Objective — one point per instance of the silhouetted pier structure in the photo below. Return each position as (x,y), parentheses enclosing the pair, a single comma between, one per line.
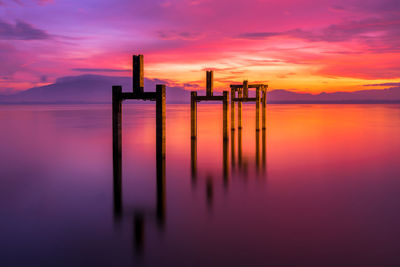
(194,98)
(138,93)
(243,96)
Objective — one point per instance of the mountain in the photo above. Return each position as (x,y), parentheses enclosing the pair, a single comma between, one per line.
(97,89)
(88,89)
(389,95)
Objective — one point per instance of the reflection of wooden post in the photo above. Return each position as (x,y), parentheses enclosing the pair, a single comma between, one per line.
(137,74)
(257,150)
(233,109)
(209,83)
(225,161)
(233,147)
(193,159)
(264,104)
(225,115)
(117,146)
(193,114)
(138,230)
(160,153)
(263,149)
(240,148)
(245,89)
(240,95)
(257,108)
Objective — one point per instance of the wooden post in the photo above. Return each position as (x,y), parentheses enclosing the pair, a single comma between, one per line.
(160,153)
(137,74)
(117,150)
(233,93)
(225,115)
(193,114)
(257,108)
(264,105)
(245,89)
(209,82)
(240,95)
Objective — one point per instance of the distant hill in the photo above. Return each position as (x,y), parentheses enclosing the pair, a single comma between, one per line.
(97,89)
(88,89)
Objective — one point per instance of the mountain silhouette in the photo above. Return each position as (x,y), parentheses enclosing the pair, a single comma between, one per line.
(90,88)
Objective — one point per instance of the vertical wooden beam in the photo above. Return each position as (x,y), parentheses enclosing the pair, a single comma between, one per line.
(209,82)
(117,150)
(258,109)
(245,89)
(240,95)
(225,115)
(160,153)
(137,74)
(233,93)
(264,105)
(193,114)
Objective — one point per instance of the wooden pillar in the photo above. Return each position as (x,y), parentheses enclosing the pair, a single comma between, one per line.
(240,95)
(225,115)
(264,105)
(117,150)
(209,82)
(245,89)
(258,109)
(137,74)
(233,93)
(160,154)
(193,114)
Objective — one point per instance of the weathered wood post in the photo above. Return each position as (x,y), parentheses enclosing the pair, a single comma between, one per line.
(258,108)
(245,88)
(160,153)
(225,115)
(193,114)
(137,74)
(117,150)
(225,160)
(209,82)
(233,148)
(264,105)
(193,159)
(240,95)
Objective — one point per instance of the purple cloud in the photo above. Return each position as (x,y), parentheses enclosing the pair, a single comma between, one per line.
(21,31)
(99,70)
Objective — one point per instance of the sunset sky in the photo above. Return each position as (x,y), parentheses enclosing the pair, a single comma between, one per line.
(300,45)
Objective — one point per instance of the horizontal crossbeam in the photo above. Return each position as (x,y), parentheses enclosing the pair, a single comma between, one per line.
(247,99)
(254,85)
(140,96)
(209,98)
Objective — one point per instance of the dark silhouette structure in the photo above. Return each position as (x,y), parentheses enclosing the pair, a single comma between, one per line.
(193,116)
(138,93)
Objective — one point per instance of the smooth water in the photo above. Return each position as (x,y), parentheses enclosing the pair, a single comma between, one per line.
(321,187)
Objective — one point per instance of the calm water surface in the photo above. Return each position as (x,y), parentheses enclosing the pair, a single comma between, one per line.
(321,188)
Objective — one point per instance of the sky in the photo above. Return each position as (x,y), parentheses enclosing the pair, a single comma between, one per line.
(298,45)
